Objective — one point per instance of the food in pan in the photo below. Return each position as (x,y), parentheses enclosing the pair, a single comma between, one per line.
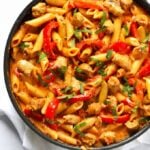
(80,70)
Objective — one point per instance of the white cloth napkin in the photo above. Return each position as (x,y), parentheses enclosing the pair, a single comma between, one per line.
(9,11)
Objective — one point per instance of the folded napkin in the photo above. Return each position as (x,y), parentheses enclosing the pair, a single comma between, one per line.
(30,140)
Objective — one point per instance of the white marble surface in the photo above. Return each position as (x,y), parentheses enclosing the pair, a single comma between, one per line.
(14,135)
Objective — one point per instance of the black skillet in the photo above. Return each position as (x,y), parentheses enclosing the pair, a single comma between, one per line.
(25,15)
(144,3)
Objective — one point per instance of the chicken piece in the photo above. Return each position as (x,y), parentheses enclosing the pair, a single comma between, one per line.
(109,26)
(60,66)
(39,9)
(141,19)
(122,61)
(113,84)
(94,109)
(89,139)
(140,52)
(86,68)
(72,119)
(132,125)
(108,137)
(36,104)
(25,66)
(111,102)
(60,61)
(114,7)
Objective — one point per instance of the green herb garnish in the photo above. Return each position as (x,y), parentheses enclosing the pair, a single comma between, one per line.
(81,88)
(114,111)
(103,19)
(23,45)
(147,38)
(126,29)
(143,48)
(109,54)
(102,72)
(144,120)
(62,71)
(107,102)
(42,56)
(66,97)
(78,70)
(67,89)
(128,89)
(41,81)
(77,128)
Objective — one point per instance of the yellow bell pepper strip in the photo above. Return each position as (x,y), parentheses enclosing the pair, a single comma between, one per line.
(49,47)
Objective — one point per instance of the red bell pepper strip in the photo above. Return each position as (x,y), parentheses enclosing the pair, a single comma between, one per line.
(48,45)
(48,76)
(35,115)
(85,43)
(50,113)
(128,102)
(121,47)
(92,4)
(112,119)
(145,70)
(79,97)
(51,109)
(133,29)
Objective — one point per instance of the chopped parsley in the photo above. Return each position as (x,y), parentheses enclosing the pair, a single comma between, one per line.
(78,32)
(109,54)
(126,29)
(144,120)
(143,48)
(147,38)
(78,127)
(62,71)
(66,97)
(23,45)
(102,67)
(101,24)
(41,81)
(78,70)
(42,56)
(81,88)
(107,102)
(114,111)
(128,89)
(67,89)
(103,19)
(102,72)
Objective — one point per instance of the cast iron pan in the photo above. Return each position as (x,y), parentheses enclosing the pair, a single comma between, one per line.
(25,15)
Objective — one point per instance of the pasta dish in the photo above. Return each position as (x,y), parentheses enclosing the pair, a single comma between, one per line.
(80,70)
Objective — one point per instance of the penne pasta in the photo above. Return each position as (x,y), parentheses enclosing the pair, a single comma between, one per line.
(35,91)
(79,70)
(37,22)
(19,36)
